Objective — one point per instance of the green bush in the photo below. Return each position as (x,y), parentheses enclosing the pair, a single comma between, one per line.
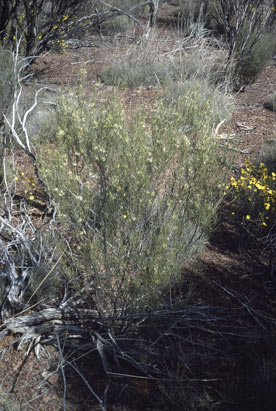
(7,84)
(132,73)
(250,58)
(140,196)
(7,80)
(270,103)
(218,105)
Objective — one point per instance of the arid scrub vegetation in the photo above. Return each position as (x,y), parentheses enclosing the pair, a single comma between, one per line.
(109,204)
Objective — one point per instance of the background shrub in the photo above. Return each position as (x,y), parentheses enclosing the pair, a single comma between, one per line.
(7,81)
(270,103)
(139,196)
(252,56)
(135,74)
(7,84)
(146,65)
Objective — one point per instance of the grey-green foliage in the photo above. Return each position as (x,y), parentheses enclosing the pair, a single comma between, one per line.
(7,80)
(44,284)
(211,97)
(250,55)
(270,103)
(268,157)
(7,84)
(140,195)
(132,73)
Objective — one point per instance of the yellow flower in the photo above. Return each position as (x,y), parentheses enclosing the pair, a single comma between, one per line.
(248,217)
(267,206)
(124,216)
(31,197)
(259,186)
(264,224)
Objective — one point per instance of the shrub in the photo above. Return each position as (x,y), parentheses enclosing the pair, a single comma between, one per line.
(245,26)
(132,74)
(7,80)
(140,66)
(7,84)
(254,200)
(270,103)
(145,65)
(268,157)
(218,105)
(251,56)
(139,196)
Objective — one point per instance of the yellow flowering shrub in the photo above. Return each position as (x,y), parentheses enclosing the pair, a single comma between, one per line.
(254,198)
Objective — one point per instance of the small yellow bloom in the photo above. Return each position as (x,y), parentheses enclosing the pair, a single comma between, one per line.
(124,216)
(264,224)
(248,217)
(31,197)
